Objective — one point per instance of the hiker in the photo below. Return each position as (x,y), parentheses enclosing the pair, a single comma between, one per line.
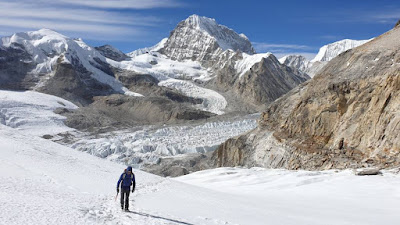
(128,180)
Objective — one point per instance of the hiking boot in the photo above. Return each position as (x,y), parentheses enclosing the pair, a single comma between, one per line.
(126,210)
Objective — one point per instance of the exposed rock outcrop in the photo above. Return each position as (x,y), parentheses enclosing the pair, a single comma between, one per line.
(17,61)
(121,111)
(347,116)
(264,82)
(75,85)
(110,52)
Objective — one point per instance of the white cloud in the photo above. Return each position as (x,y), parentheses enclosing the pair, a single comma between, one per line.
(307,55)
(96,20)
(266,46)
(126,4)
(280,50)
(17,10)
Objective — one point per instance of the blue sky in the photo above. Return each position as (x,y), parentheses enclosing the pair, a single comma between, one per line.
(281,27)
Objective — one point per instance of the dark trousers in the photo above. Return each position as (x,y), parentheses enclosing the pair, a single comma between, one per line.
(125,197)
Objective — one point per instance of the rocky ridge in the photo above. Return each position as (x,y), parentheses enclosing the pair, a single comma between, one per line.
(346,117)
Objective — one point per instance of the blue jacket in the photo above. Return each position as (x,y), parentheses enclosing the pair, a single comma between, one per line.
(127,181)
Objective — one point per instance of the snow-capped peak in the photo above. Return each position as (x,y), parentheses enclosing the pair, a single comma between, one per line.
(330,51)
(47,46)
(153,48)
(38,43)
(200,22)
(244,65)
(225,37)
(298,62)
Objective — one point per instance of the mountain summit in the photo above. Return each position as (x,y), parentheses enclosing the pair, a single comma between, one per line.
(203,39)
(330,51)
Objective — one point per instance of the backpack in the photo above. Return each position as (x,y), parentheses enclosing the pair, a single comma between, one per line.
(124,175)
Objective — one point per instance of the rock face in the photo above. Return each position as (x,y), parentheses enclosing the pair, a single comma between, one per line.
(112,53)
(124,111)
(203,39)
(15,60)
(261,83)
(347,116)
(75,85)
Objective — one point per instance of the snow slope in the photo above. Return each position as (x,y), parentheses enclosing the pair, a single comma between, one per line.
(162,68)
(305,197)
(46,183)
(298,62)
(330,51)
(151,49)
(46,46)
(43,182)
(212,100)
(32,112)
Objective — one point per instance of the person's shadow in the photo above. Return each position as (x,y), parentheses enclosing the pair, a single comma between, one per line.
(159,217)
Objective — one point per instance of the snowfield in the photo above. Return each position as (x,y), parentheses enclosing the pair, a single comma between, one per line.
(32,112)
(43,182)
(46,183)
(305,197)
(212,100)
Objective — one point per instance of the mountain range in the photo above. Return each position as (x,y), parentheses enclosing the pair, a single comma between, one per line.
(206,71)
(188,76)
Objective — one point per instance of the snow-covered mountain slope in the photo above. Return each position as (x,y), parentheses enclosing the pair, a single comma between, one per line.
(178,75)
(203,39)
(298,62)
(46,183)
(212,100)
(163,68)
(48,48)
(151,49)
(330,51)
(325,54)
(32,112)
(244,65)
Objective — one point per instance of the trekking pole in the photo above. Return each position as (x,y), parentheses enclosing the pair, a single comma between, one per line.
(116,197)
